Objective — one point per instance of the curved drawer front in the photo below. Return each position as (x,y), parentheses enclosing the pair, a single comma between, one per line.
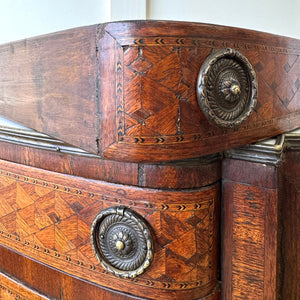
(157,65)
(48,217)
(11,290)
(128,90)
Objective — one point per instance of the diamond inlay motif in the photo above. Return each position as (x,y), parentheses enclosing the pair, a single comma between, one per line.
(297,83)
(160,101)
(287,67)
(140,65)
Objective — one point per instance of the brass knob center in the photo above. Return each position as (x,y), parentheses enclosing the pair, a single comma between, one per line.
(120,245)
(235,89)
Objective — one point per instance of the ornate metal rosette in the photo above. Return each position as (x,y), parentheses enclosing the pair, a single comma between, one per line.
(227,88)
(122,242)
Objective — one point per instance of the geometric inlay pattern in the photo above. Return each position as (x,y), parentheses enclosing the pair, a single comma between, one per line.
(48,217)
(158,104)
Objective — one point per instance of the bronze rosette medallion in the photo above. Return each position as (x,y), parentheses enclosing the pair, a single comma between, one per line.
(122,242)
(227,88)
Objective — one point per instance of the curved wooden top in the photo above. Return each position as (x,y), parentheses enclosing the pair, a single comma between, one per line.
(127,90)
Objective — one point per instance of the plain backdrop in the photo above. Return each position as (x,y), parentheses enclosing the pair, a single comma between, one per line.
(26,18)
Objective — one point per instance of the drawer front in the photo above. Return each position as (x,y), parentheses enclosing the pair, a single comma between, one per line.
(48,217)
(10,289)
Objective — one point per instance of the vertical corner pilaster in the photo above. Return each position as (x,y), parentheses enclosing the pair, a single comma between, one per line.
(250,228)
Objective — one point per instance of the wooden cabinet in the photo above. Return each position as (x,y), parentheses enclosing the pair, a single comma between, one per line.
(139,177)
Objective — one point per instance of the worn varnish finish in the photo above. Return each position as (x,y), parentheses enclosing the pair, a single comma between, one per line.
(127,91)
(54,284)
(249,226)
(201,172)
(47,216)
(260,227)
(49,83)
(58,285)
(289,263)
(11,290)
(77,165)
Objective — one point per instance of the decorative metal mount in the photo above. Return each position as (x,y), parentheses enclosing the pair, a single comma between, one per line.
(268,151)
(227,88)
(122,242)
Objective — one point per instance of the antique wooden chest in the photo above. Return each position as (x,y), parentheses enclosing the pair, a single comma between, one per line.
(153,160)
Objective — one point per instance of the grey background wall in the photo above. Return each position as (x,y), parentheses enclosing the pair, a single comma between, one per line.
(275,16)
(25,18)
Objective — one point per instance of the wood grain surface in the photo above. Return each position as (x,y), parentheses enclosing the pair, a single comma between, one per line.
(289,263)
(191,173)
(260,226)
(127,91)
(11,289)
(48,84)
(54,284)
(57,285)
(47,216)
(249,230)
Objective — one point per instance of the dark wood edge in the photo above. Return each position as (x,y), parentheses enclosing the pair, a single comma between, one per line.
(206,30)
